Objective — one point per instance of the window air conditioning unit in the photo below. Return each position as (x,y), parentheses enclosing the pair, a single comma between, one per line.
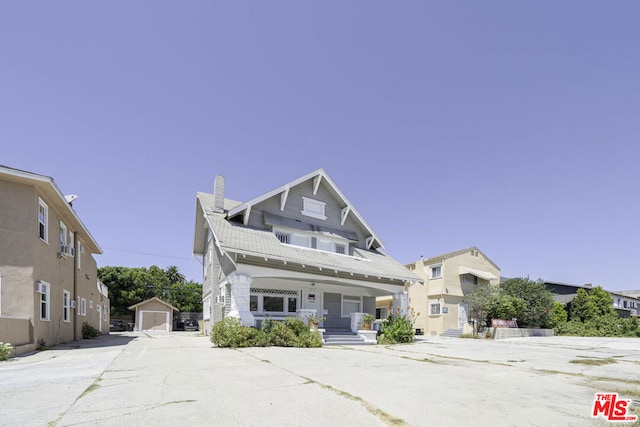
(73,303)
(220,299)
(40,287)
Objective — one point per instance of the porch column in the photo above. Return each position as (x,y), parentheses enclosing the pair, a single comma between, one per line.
(240,291)
(400,301)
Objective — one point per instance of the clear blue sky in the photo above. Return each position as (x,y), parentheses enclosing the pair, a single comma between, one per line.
(512,126)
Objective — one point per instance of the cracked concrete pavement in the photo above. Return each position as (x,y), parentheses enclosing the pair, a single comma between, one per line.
(181,379)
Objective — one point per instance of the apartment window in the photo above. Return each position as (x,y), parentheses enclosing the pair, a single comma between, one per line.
(435,309)
(78,307)
(80,252)
(83,306)
(66,306)
(71,243)
(104,311)
(435,271)
(350,304)
(45,289)
(63,238)
(43,220)
(99,309)
(90,304)
(313,208)
(468,279)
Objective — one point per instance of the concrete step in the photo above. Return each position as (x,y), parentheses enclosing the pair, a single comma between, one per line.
(455,333)
(343,339)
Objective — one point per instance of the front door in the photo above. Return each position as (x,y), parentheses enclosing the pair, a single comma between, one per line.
(462,315)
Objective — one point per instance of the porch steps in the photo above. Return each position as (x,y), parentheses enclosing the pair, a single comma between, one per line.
(342,337)
(454,333)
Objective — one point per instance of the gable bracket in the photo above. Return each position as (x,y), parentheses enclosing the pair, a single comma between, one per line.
(316,183)
(247,212)
(283,198)
(369,242)
(344,213)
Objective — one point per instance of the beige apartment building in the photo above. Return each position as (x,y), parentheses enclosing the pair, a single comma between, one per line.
(440,304)
(48,276)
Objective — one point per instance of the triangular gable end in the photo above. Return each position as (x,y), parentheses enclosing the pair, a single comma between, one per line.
(318,176)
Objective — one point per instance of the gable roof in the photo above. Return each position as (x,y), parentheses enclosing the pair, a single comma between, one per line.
(48,188)
(318,176)
(156,299)
(438,258)
(235,237)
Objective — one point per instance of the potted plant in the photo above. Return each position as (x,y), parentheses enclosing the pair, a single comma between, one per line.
(367,320)
(313,321)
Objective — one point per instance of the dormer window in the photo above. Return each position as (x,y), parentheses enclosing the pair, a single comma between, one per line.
(313,208)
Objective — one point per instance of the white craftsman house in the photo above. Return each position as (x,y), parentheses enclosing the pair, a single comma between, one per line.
(297,250)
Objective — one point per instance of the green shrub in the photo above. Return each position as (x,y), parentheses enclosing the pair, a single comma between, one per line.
(292,332)
(89,331)
(396,329)
(5,351)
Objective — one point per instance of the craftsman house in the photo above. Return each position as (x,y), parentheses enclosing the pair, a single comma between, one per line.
(297,250)
(48,276)
(441,303)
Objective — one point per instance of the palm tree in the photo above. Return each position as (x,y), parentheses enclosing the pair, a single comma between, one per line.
(174,275)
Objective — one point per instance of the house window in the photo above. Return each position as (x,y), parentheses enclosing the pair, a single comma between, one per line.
(340,248)
(274,301)
(468,279)
(43,220)
(63,238)
(313,208)
(283,237)
(381,313)
(83,307)
(435,271)
(350,304)
(272,304)
(104,311)
(45,288)
(66,306)
(435,309)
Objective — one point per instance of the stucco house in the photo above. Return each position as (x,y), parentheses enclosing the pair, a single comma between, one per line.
(48,277)
(440,304)
(297,250)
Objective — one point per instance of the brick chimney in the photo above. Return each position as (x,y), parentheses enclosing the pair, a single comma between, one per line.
(218,194)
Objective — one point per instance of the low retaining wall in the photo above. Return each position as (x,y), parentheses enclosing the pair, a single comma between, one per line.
(501,333)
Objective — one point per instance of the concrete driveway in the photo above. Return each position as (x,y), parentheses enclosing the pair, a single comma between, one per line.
(180,379)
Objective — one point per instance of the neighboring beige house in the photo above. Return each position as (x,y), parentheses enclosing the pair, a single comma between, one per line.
(48,276)
(297,250)
(153,315)
(441,303)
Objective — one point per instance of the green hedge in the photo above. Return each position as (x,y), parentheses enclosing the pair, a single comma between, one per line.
(292,332)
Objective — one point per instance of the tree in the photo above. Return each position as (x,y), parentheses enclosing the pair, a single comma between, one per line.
(558,314)
(129,286)
(538,301)
(602,302)
(582,307)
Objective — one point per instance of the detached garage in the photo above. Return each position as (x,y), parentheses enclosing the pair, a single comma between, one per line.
(153,315)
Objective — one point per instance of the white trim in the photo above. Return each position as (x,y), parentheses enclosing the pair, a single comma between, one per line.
(44,222)
(45,298)
(66,306)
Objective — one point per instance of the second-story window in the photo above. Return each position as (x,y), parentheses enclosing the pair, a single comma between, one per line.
(63,238)
(435,271)
(43,220)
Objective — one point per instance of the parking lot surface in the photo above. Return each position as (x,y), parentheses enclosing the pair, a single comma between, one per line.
(181,379)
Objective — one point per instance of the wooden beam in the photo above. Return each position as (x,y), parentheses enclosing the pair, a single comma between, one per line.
(316,183)
(343,214)
(247,212)
(283,198)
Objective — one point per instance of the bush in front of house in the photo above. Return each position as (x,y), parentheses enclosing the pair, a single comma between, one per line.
(292,332)
(89,331)
(396,329)
(5,351)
